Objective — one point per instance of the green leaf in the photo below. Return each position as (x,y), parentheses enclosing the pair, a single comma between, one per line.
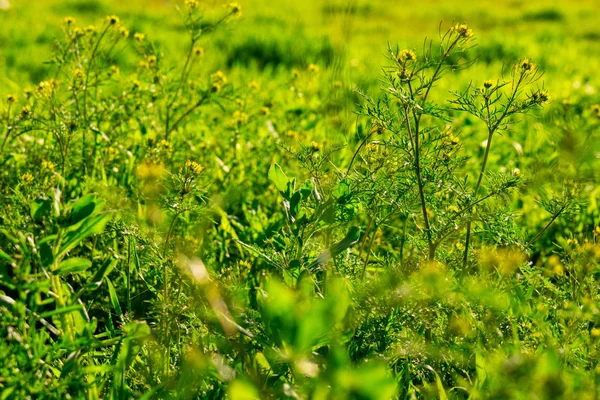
(39,207)
(438,383)
(83,208)
(90,226)
(74,264)
(4,256)
(114,299)
(279,178)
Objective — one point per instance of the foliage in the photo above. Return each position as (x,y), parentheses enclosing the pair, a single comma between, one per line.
(170,227)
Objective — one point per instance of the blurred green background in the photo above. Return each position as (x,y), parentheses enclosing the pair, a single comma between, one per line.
(348,36)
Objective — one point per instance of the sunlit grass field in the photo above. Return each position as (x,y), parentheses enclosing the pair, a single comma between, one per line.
(299,199)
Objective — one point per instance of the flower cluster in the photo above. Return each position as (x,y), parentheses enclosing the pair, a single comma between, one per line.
(462,30)
(193,168)
(218,79)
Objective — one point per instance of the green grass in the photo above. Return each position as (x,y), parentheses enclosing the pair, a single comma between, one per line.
(306,200)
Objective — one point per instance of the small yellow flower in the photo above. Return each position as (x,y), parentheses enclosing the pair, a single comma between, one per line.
(78,32)
(235,9)
(541,96)
(112,19)
(240,103)
(595,332)
(239,118)
(295,73)
(69,20)
(253,85)
(526,65)
(198,51)
(48,165)
(151,60)
(139,36)
(596,109)
(90,29)
(266,111)
(26,178)
(47,87)
(405,56)
(191,4)
(219,77)
(78,73)
(315,146)
(463,30)
(194,167)
(124,32)
(25,112)
(313,68)
(488,84)
(164,145)
(11,99)
(115,70)
(338,84)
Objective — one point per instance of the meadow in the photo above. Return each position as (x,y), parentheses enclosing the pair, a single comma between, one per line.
(343,199)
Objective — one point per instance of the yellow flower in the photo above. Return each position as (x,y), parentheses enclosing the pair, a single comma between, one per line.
(405,56)
(69,20)
(48,165)
(595,332)
(198,51)
(47,87)
(90,29)
(194,167)
(164,145)
(295,73)
(596,109)
(151,60)
(265,111)
(11,99)
(239,118)
(78,32)
(26,178)
(526,65)
(236,9)
(541,96)
(139,36)
(219,77)
(253,85)
(124,32)
(112,19)
(25,112)
(463,30)
(191,4)
(313,68)
(78,73)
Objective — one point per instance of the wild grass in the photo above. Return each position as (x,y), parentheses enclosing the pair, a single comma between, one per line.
(223,215)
